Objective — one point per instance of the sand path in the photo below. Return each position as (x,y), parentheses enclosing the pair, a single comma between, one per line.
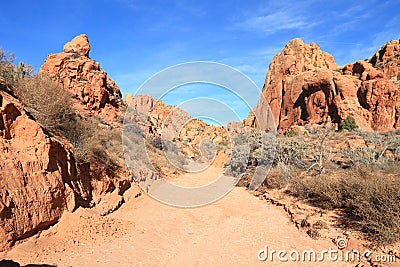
(144,232)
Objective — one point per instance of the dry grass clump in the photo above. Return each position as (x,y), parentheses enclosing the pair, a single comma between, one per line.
(370,199)
(47,102)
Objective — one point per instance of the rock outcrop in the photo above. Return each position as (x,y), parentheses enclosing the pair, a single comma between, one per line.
(305,86)
(90,85)
(39,177)
(173,124)
(387,59)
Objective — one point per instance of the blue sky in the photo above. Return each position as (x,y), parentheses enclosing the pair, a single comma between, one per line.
(135,39)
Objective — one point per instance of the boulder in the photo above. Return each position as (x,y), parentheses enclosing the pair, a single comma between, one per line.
(80,45)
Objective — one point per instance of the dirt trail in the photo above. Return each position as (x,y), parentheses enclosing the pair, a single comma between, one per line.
(144,232)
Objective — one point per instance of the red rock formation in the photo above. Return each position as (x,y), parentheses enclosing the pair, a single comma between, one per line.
(83,77)
(38,175)
(387,59)
(305,86)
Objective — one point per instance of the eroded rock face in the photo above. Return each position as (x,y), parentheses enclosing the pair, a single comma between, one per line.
(38,175)
(305,86)
(387,59)
(90,85)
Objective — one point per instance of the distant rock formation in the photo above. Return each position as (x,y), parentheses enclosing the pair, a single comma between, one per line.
(94,91)
(173,124)
(304,85)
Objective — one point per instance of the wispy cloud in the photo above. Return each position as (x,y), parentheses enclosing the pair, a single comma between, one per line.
(278,21)
(277,16)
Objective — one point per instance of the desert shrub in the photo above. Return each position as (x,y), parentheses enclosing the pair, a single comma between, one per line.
(275,179)
(375,154)
(279,176)
(167,161)
(349,124)
(7,67)
(371,200)
(398,77)
(173,154)
(291,133)
(254,148)
(290,152)
(362,155)
(207,149)
(266,150)
(156,153)
(155,141)
(261,147)
(238,160)
(46,101)
(134,144)
(222,145)
(10,72)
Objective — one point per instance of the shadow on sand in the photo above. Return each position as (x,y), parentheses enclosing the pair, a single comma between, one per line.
(11,263)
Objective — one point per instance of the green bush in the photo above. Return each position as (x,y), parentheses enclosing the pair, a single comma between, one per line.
(349,124)
(291,133)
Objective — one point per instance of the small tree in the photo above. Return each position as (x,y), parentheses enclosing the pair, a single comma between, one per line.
(349,124)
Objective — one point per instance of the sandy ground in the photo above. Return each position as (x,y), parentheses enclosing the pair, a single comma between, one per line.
(145,232)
